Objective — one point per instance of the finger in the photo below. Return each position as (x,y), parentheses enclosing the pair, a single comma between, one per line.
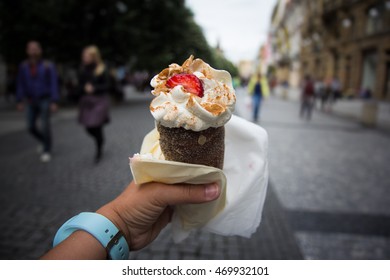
(185,193)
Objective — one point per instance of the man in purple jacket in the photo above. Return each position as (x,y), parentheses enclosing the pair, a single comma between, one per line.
(37,87)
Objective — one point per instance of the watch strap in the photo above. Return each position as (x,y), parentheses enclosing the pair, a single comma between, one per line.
(99,227)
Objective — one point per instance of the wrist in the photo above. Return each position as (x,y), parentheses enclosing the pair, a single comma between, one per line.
(110,212)
(105,230)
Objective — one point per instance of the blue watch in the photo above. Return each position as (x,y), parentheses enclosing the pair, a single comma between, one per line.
(99,227)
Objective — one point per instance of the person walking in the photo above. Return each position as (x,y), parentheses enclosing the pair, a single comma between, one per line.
(335,89)
(319,90)
(258,88)
(37,88)
(94,86)
(307,98)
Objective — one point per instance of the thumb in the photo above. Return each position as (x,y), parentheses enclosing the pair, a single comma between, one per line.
(186,193)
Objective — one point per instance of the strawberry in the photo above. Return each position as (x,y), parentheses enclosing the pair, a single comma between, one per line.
(190,82)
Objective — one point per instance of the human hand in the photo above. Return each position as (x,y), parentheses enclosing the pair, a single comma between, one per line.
(142,211)
(53,107)
(88,88)
(20,107)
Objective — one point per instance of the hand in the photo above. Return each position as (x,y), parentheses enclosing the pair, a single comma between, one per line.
(53,107)
(20,107)
(89,88)
(142,211)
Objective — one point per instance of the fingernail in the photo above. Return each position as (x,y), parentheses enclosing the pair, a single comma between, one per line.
(211,191)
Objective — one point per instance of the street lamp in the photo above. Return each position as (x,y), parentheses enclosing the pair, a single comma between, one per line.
(346,23)
(121,7)
(373,12)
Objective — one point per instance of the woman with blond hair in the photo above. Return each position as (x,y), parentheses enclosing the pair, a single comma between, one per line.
(94,88)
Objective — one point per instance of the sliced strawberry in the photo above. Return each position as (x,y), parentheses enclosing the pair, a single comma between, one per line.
(190,82)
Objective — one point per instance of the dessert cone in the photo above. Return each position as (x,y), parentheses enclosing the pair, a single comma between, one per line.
(192,104)
(204,147)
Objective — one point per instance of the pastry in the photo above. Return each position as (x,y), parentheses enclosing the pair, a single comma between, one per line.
(193,103)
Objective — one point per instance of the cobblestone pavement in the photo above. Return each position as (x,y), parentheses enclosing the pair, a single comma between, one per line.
(325,199)
(331,176)
(37,198)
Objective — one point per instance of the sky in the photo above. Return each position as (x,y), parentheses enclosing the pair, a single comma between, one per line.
(241,26)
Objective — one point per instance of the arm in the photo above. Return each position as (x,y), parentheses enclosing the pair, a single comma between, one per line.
(140,212)
(265,87)
(53,84)
(79,246)
(251,85)
(102,86)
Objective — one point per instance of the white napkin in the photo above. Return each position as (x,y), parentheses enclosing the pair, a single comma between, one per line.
(246,170)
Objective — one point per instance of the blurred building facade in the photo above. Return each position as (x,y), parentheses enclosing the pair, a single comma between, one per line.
(245,69)
(285,40)
(348,39)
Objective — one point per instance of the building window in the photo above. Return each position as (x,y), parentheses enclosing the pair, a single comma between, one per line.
(378,17)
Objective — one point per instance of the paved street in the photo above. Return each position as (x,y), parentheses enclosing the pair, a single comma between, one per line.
(328,194)
(331,176)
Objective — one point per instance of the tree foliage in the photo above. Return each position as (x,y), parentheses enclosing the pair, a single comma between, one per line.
(145,34)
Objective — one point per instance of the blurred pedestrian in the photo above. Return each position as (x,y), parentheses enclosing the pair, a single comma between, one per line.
(335,87)
(319,89)
(37,87)
(366,93)
(326,101)
(285,85)
(307,98)
(273,84)
(258,89)
(94,86)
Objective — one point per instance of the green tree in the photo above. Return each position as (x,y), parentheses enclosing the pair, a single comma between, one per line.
(148,34)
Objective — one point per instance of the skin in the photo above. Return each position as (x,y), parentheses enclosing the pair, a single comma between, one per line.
(87,59)
(140,212)
(34,54)
(33,51)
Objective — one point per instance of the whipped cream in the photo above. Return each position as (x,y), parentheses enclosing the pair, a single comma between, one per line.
(175,107)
